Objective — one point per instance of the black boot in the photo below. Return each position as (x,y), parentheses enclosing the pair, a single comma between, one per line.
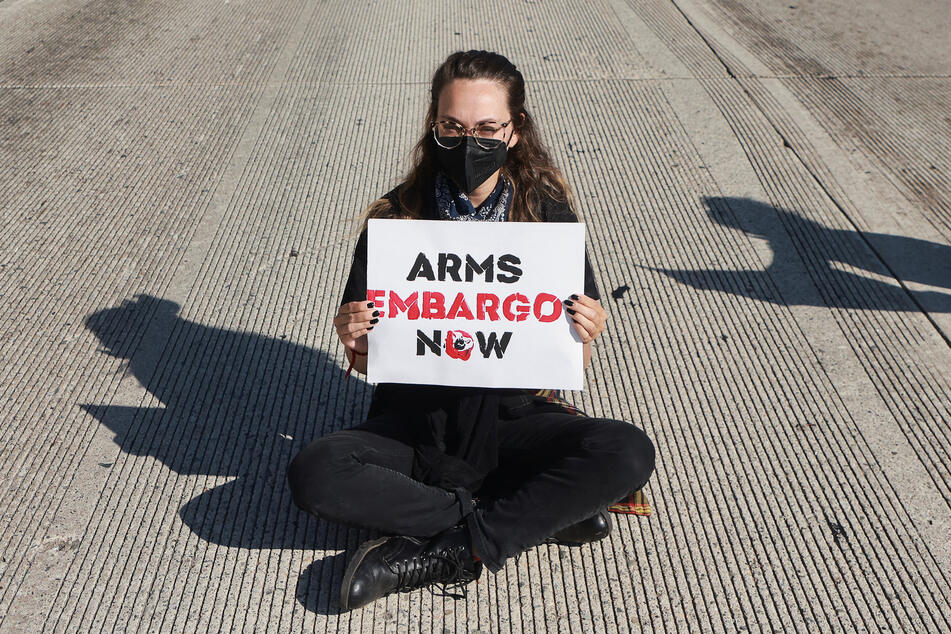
(401,564)
(596,527)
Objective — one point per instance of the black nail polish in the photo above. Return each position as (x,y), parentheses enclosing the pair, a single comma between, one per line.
(568,302)
(376,313)
(373,321)
(370,304)
(569,311)
(574,297)
(370,328)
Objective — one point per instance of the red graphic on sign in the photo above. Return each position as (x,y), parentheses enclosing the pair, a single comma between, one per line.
(458,344)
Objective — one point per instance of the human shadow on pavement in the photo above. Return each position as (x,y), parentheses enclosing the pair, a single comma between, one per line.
(829,250)
(230,405)
(322,597)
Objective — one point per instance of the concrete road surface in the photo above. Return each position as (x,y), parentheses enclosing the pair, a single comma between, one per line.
(767,192)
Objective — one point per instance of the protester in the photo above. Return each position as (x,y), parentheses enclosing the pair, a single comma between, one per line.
(457,478)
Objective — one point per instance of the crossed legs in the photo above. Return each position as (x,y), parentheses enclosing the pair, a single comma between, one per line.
(554,470)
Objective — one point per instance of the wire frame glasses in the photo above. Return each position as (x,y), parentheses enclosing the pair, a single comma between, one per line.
(449,134)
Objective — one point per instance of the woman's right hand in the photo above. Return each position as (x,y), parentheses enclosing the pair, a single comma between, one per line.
(353,321)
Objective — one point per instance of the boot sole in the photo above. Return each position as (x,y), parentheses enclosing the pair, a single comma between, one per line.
(355,561)
(558,542)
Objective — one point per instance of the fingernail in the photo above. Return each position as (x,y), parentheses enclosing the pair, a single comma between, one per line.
(574,297)
(568,302)
(569,311)
(376,313)
(373,321)
(370,304)
(370,328)
(574,320)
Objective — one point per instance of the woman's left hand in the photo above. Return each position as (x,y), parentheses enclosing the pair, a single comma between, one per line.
(588,316)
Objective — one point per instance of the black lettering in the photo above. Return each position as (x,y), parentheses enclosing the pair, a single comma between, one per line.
(449,263)
(423,342)
(472,267)
(492,344)
(421,268)
(507,263)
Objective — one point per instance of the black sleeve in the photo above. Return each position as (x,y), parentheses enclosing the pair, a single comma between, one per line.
(356,288)
(590,286)
(561,212)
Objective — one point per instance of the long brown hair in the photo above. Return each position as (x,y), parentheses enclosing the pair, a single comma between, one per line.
(528,165)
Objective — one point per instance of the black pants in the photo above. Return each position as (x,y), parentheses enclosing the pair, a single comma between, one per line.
(555,469)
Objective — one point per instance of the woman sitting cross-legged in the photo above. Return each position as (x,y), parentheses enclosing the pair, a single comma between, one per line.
(458,478)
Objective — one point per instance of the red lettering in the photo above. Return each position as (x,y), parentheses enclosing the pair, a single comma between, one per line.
(409,306)
(459,344)
(434,305)
(540,301)
(459,308)
(487,304)
(521,310)
(377,298)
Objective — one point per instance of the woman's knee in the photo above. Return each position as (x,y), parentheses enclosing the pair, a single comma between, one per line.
(623,452)
(313,472)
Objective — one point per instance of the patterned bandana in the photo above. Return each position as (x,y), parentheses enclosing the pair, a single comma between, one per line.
(455,205)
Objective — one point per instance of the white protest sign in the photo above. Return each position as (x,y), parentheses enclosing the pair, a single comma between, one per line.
(475,303)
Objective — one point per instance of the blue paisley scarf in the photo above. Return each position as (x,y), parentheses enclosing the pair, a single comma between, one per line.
(455,205)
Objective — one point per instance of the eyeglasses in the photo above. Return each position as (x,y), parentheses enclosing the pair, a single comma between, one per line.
(449,134)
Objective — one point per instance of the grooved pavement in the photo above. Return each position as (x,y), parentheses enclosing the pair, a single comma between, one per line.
(765,189)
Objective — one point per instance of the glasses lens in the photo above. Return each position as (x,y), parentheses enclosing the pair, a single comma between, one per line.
(448,128)
(447,142)
(488,131)
(488,144)
(489,135)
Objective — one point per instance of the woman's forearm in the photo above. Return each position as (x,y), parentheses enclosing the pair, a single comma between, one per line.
(359,360)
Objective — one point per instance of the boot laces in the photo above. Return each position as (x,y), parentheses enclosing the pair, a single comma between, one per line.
(446,569)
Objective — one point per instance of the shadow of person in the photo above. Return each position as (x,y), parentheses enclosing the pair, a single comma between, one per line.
(229,405)
(834,255)
(314,593)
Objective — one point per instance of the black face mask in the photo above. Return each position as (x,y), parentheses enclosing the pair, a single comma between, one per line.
(468,164)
